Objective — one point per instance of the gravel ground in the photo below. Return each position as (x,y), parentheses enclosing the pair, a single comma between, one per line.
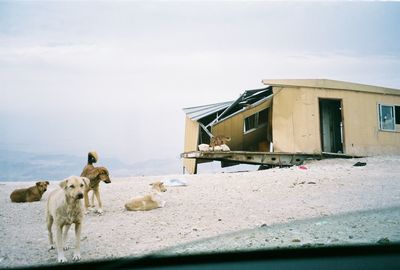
(325,202)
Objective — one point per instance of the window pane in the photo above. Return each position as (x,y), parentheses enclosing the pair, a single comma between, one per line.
(263,117)
(397,113)
(387,117)
(249,122)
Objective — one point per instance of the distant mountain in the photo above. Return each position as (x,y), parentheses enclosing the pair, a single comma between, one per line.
(23,166)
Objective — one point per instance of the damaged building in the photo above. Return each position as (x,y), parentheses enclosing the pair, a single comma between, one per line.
(288,121)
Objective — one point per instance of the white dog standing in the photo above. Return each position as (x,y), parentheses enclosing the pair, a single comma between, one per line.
(64,208)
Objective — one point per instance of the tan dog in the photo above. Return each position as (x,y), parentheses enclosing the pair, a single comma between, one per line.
(64,208)
(148,202)
(219,140)
(95,175)
(31,194)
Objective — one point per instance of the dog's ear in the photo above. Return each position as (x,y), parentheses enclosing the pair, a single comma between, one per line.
(47,183)
(63,184)
(86,181)
(103,170)
(37,184)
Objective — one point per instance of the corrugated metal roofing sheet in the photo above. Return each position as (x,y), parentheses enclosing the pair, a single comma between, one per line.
(198,112)
(247,98)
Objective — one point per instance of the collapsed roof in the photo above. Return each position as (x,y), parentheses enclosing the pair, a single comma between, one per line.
(211,114)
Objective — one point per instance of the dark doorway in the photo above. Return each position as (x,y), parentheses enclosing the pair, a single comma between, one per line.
(330,113)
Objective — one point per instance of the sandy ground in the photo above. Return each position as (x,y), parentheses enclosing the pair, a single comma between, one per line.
(279,202)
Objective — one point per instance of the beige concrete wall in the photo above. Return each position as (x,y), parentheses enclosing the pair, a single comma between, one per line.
(233,127)
(296,124)
(191,141)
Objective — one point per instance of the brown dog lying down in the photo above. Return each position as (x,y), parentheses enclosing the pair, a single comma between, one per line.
(31,194)
(95,175)
(148,202)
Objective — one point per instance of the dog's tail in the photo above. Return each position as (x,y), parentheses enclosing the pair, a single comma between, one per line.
(92,157)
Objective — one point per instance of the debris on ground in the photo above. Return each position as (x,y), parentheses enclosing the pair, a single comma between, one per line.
(360,164)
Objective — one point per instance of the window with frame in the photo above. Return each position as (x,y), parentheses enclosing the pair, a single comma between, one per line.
(255,121)
(250,123)
(389,117)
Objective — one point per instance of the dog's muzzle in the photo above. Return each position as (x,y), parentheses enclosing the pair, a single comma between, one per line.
(107,182)
(79,196)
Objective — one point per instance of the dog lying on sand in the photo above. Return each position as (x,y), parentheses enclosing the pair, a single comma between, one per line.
(148,202)
(31,194)
(95,175)
(64,208)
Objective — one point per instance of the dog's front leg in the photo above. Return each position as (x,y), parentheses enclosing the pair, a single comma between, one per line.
(59,243)
(65,236)
(92,200)
(77,251)
(86,198)
(49,220)
(162,203)
(97,193)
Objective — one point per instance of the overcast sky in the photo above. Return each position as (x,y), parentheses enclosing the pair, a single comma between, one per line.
(114,76)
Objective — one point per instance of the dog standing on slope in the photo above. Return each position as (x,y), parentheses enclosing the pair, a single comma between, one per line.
(95,175)
(64,208)
(148,202)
